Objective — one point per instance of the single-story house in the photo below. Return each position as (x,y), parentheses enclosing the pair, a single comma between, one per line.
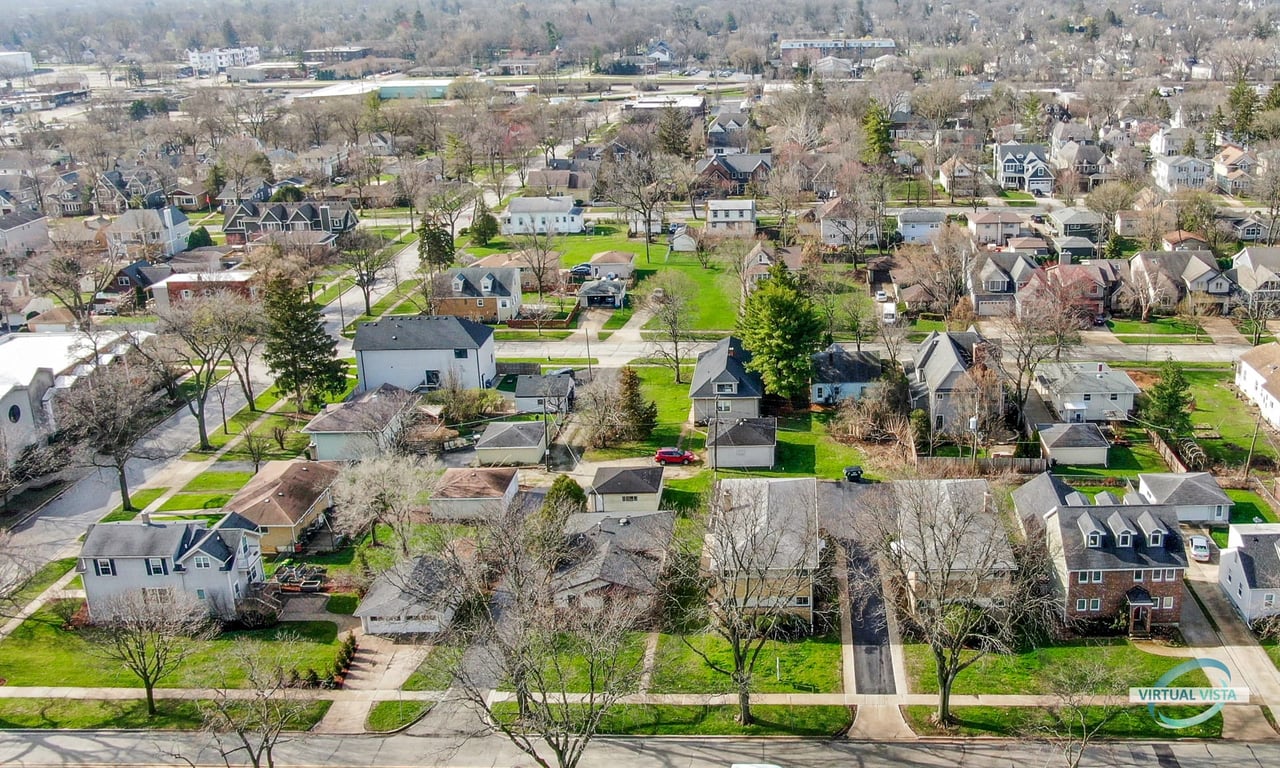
(750,442)
(613,558)
(626,489)
(1249,569)
(410,598)
(512,442)
(1081,444)
(284,500)
(603,293)
(839,374)
(470,493)
(619,265)
(368,424)
(544,394)
(1195,496)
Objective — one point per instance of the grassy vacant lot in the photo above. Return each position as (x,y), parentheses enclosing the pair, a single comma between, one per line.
(40,652)
(1217,409)
(140,499)
(676,720)
(387,716)
(657,384)
(1024,672)
(1130,723)
(811,665)
(714,309)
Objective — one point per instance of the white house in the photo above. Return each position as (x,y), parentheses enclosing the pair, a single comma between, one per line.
(1181,172)
(22,232)
(736,218)
(528,215)
(420,352)
(512,443)
(146,233)
(368,424)
(1086,391)
(994,226)
(839,374)
(750,442)
(841,224)
(684,239)
(920,225)
(1081,444)
(626,489)
(1195,496)
(1249,569)
(469,493)
(1258,378)
(544,394)
(217,566)
(408,599)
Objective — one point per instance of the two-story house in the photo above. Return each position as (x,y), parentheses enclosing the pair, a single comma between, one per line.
(1249,570)
(215,565)
(958,176)
(254,189)
(722,387)
(996,279)
(918,226)
(22,232)
(121,189)
(541,215)
(251,221)
(1173,174)
(995,226)
(149,233)
(942,361)
(734,218)
(1075,222)
(1233,169)
(421,352)
(1172,141)
(843,223)
(1257,272)
(1170,276)
(1023,167)
(761,259)
(1258,379)
(1110,561)
(731,174)
(1086,160)
(728,131)
(1086,391)
(481,294)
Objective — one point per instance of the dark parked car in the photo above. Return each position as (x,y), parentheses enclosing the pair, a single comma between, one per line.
(582,270)
(674,456)
(853,474)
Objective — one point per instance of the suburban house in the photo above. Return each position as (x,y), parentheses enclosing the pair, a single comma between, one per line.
(1171,141)
(942,361)
(1023,167)
(410,598)
(250,221)
(217,565)
(23,232)
(613,558)
(1245,227)
(995,226)
(120,189)
(761,259)
(1085,159)
(420,352)
(1182,240)
(1170,276)
(512,443)
(614,265)
(684,239)
(149,233)
(1258,379)
(1257,271)
(996,279)
(188,197)
(1173,174)
(839,374)
(181,286)
(958,176)
(626,489)
(728,130)
(1078,444)
(18,302)
(1075,222)
(54,320)
(368,424)
(540,215)
(736,218)
(742,442)
(1233,169)
(722,387)
(469,493)
(766,539)
(524,262)
(1195,496)
(731,173)
(65,196)
(920,225)
(284,500)
(1111,561)
(254,189)
(1080,392)
(1034,246)
(603,293)
(544,394)
(1249,569)
(842,224)
(482,294)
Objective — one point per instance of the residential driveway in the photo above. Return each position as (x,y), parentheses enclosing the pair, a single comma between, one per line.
(1222,330)
(872,658)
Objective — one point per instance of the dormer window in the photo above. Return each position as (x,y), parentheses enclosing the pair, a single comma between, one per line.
(457,285)
(725,389)
(1095,540)
(486,285)
(1155,538)
(1124,540)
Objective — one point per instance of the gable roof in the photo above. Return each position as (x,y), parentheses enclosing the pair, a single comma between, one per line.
(475,482)
(743,433)
(1265,360)
(837,365)
(1075,435)
(405,332)
(18,218)
(406,588)
(1073,522)
(781,515)
(1259,554)
(724,363)
(609,480)
(469,281)
(943,357)
(623,551)
(1184,489)
(282,492)
(533,385)
(512,434)
(1074,378)
(560,204)
(370,411)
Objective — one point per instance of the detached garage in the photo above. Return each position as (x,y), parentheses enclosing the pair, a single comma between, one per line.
(742,442)
(513,443)
(1081,444)
(408,599)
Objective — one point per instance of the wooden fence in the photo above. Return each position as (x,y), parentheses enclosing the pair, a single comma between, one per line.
(1167,453)
(960,467)
(519,369)
(559,323)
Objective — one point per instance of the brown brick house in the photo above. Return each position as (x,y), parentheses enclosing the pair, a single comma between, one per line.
(1111,560)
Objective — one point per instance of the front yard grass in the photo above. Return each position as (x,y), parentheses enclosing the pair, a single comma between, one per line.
(435,673)
(217,480)
(682,720)
(810,665)
(1023,673)
(181,502)
(96,714)
(385,716)
(141,500)
(41,652)
(41,580)
(715,307)
(1157,327)
(1130,723)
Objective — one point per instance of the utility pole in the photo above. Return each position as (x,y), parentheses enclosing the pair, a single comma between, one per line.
(715,429)
(1248,461)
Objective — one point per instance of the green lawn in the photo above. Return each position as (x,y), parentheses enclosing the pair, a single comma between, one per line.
(659,385)
(140,499)
(574,674)
(1218,410)
(217,480)
(715,308)
(618,318)
(41,580)
(1130,723)
(811,665)
(95,714)
(435,673)
(1122,461)
(1023,673)
(1250,507)
(342,603)
(548,334)
(1145,340)
(181,502)
(295,442)
(385,716)
(40,652)
(1157,327)
(674,720)
(345,565)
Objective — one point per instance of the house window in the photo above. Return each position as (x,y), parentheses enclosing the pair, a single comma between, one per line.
(1087,397)
(1137,575)
(1155,538)
(1082,605)
(1269,600)
(460,354)
(1157,575)
(630,498)
(104,567)
(724,389)
(1096,577)
(1082,577)
(724,407)
(479,302)
(156,567)
(122,280)
(1114,396)
(1170,574)
(1095,604)
(202,563)
(1168,603)
(1124,540)
(802,601)
(200,594)
(186,294)
(1095,540)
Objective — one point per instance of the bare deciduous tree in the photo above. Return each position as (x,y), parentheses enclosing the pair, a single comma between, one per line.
(73,273)
(638,183)
(598,408)
(367,257)
(540,259)
(1082,709)
(942,269)
(672,303)
(445,202)
(385,490)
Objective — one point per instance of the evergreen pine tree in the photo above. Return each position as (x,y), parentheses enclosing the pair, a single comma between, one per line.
(435,246)
(673,132)
(298,351)
(485,226)
(1168,405)
(875,127)
(199,238)
(781,328)
(639,416)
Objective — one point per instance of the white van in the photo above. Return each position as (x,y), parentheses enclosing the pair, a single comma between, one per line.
(888,313)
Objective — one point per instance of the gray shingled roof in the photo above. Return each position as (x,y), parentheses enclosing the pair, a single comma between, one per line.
(777,515)
(1079,435)
(504,281)
(943,357)
(1081,557)
(743,432)
(1259,559)
(421,332)
(1040,494)
(133,538)
(529,385)
(1080,378)
(724,363)
(1191,489)
(372,411)
(627,480)
(837,365)
(620,551)
(512,434)
(405,589)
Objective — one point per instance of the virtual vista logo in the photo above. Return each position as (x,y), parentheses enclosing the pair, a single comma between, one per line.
(1163,692)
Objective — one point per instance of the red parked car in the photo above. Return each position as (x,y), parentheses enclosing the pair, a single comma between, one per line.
(674,456)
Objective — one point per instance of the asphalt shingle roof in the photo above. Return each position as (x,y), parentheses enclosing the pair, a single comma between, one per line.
(421,332)
(512,434)
(1190,489)
(724,363)
(743,432)
(627,480)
